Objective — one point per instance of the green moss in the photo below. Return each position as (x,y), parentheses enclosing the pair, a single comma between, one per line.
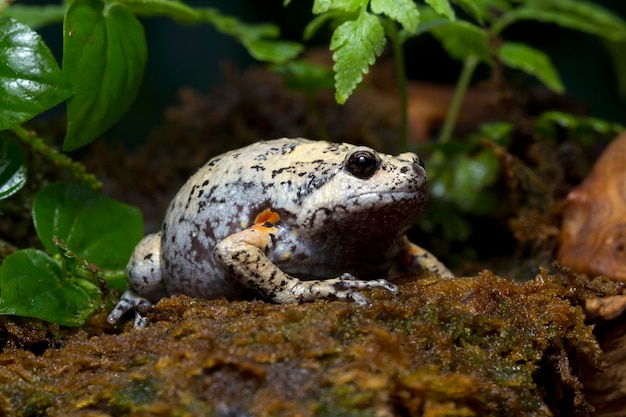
(479,346)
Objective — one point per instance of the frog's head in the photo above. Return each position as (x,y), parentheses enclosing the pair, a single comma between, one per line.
(364,191)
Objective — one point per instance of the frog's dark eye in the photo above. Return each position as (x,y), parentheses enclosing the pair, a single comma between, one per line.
(421,163)
(363,163)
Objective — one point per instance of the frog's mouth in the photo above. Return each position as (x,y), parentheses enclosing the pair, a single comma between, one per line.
(388,197)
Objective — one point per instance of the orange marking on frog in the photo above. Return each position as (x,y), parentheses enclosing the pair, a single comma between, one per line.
(267,216)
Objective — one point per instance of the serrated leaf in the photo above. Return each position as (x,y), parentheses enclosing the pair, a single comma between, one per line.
(322,6)
(533,62)
(97,228)
(31,285)
(442,7)
(356,44)
(104,55)
(12,167)
(461,39)
(30,79)
(402,11)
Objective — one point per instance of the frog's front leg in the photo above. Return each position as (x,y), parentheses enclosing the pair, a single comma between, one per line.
(243,255)
(414,258)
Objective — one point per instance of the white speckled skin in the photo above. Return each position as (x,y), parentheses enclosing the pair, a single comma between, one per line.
(340,209)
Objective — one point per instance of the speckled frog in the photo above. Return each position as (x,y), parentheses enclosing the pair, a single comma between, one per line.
(286,220)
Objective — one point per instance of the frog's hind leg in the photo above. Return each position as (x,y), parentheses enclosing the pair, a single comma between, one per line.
(128,301)
(144,279)
(414,258)
(243,256)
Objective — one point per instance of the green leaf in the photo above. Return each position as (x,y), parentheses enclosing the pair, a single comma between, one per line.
(275,51)
(256,38)
(305,76)
(322,6)
(461,39)
(533,62)
(442,7)
(317,22)
(12,167)
(31,285)
(356,44)
(572,14)
(402,11)
(474,9)
(30,79)
(36,16)
(97,228)
(104,55)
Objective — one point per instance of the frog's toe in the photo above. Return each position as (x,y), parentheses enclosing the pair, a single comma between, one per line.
(383,283)
(128,301)
(359,298)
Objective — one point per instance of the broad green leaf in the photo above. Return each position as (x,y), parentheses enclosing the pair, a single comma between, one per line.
(402,11)
(97,228)
(356,44)
(322,6)
(12,167)
(31,285)
(461,39)
(531,61)
(442,7)
(36,16)
(104,55)
(30,79)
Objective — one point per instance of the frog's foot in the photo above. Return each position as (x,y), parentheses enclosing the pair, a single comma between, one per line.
(129,301)
(340,288)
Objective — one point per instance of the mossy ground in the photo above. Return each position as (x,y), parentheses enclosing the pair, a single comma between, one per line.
(474,346)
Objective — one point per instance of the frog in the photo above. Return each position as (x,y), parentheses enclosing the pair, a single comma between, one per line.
(286,220)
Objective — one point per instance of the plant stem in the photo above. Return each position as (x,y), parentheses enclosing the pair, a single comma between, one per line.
(398,57)
(469,65)
(76,169)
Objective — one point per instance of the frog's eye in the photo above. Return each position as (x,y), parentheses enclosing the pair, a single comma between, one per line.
(421,163)
(363,163)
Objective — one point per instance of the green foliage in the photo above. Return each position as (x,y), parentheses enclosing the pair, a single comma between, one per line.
(12,167)
(95,227)
(104,55)
(584,130)
(32,285)
(359,37)
(80,228)
(356,44)
(30,79)
(531,61)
